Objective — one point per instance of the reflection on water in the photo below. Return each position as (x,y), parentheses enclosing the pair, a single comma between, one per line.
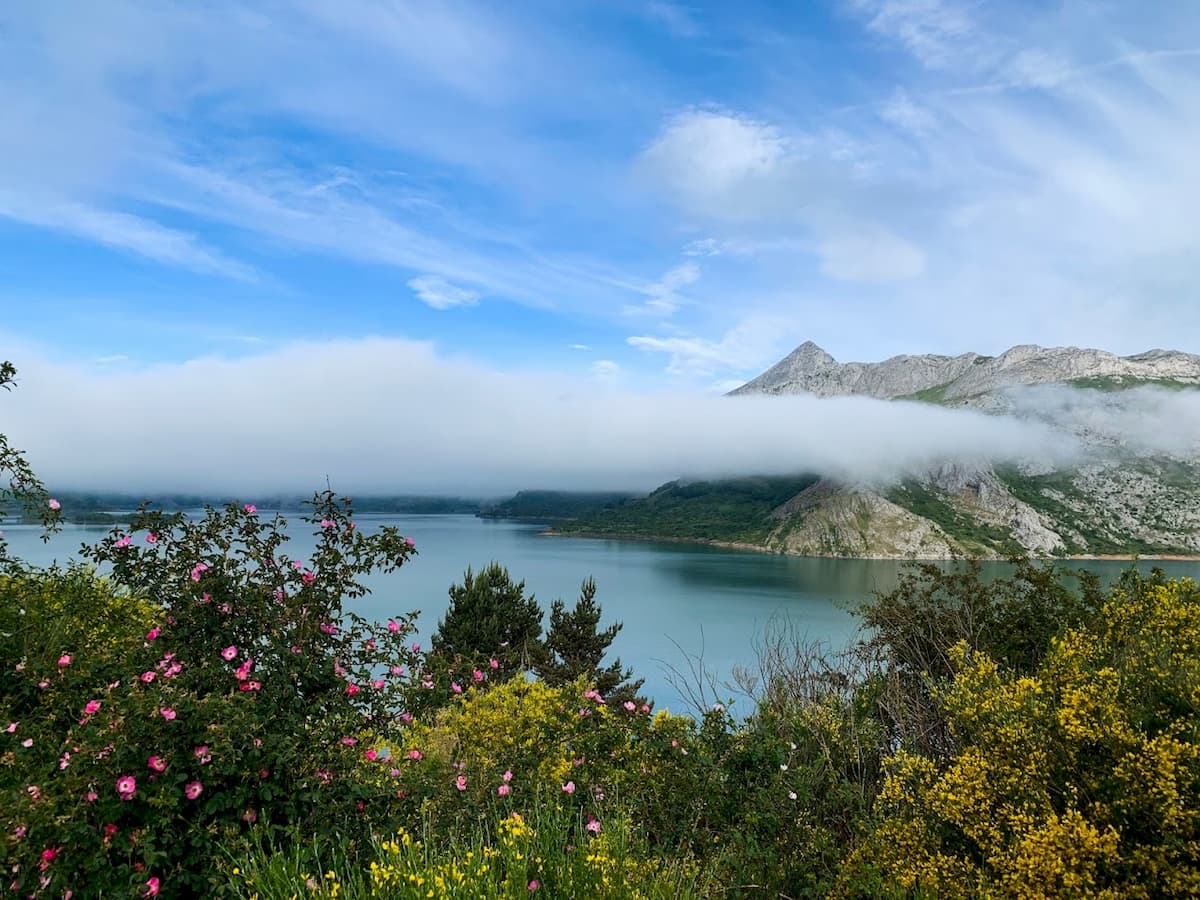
(667,594)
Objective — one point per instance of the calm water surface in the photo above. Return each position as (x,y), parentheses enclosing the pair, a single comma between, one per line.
(675,599)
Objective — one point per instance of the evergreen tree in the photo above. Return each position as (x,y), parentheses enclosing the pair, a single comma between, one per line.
(491,618)
(576,647)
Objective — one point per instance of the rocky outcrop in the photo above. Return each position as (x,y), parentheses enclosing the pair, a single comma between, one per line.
(979,493)
(834,519)
(809,369)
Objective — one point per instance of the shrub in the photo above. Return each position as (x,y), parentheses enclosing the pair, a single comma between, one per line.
(1079,779)
(129,762)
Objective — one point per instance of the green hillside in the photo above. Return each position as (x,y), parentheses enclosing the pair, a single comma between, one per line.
(727,510)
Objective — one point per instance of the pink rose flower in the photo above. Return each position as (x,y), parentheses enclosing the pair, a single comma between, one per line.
(92,707)
(192,789)
(54,504)
(64,660)
(372,755)
(569,787)
(393,626)
(229,653)
(157,763)
(461,782)
(126,787)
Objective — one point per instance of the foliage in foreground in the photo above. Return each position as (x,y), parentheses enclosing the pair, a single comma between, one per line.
(551,854)
(1079,779)
(209,720)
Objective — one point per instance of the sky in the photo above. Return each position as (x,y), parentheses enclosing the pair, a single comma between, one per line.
(605,198)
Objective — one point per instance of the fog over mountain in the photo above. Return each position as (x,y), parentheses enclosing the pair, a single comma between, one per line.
(387,415)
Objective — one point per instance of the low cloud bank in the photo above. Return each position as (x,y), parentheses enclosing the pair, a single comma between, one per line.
(1137,420)
(380,416)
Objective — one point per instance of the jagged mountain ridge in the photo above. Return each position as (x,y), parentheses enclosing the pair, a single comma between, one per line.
(1119,503)
(809,369)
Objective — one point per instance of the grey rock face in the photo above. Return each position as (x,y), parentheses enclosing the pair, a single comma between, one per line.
(809,369)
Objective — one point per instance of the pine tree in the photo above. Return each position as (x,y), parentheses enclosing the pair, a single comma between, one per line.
(491,618)
(576,647)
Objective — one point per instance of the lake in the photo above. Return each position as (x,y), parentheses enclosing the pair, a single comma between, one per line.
(675,600)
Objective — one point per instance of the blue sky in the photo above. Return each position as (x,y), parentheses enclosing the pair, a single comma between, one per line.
(662,194)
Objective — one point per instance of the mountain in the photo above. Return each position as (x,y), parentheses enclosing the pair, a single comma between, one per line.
(1124,498)
(809,369)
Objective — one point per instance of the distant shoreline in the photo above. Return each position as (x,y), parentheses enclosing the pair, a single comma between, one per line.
(756,548)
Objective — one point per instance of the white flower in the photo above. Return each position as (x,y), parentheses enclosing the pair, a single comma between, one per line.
(791,795)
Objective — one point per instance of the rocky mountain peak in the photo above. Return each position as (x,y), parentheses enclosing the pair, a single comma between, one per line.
(809,369)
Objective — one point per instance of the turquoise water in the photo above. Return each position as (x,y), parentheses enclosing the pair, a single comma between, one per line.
(677,601)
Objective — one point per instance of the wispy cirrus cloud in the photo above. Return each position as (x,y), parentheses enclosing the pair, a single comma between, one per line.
(654,181)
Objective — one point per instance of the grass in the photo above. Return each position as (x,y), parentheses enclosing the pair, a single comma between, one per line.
(935,394)
(735,510)
(1112,383)
(935,506)
(550,854)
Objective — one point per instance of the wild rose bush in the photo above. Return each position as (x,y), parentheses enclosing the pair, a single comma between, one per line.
(240,701)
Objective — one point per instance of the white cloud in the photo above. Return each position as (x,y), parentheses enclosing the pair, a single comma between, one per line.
(606,370)
(441,294)
(703,247)
(752,345)
(871,256)
(938,33)
(125,232)
(704,158)
(903,112)
(580,347)
(111,359)
(663,294)
(390,415)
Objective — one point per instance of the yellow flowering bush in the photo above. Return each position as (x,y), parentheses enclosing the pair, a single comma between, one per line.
(1082,779)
